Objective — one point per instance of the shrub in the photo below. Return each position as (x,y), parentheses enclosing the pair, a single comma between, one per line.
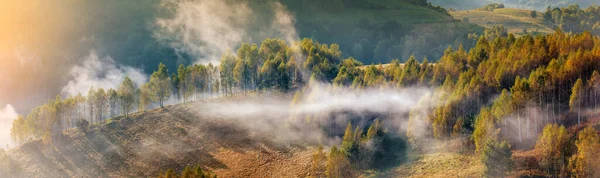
(83,125)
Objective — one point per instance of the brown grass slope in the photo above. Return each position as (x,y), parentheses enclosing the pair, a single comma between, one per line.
(159,139)
(514,20)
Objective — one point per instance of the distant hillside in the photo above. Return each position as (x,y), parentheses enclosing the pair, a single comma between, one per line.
(389,30)
(523,4)
(461,4)
(542,4)
(516,21)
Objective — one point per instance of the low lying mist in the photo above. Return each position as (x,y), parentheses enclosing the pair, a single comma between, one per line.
(320,113)
(100,72)
(7,115)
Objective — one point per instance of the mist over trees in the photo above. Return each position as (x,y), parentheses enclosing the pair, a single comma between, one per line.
(495,91)
(554,73)
(126,31)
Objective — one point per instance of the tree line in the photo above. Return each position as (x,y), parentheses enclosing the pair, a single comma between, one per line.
(272,66)
(575,19)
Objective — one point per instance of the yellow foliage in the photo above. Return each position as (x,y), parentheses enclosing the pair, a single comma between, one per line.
(586,162)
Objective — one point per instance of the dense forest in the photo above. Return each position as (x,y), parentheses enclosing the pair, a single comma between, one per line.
(575,19)
(517,89)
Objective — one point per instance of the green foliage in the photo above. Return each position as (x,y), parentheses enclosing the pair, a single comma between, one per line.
(83,125)
(19,131)
(126,93)
(338,165)
(576,99)
(502,106)
(553,147)
(160,85)
(143,97)
(185,81)
(575,19)
(492,7)
(383,150)
(533,14)
(484,129)
(497,158)
(491,34)
(241,71)
(538,71)
(348,72)
(226,67)
(350,144)
(410,72)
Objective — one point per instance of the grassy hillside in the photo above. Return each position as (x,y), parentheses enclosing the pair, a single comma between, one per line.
(442,164)
(524,4)
(154,141)
(461,4)
(514,20)
(542,4)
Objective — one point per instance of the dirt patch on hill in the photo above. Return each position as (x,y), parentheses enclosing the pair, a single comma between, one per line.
(153,141)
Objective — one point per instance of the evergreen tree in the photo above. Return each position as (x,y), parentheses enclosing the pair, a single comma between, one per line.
(338,165)
(350,144)
(318,161)
(502,108)
(144,97)
(552,145)
(533,14)
(126,95)
(113,99)
(160,85)
(484,129)
(183,77)
(497,158)
(226,73)
(187,172)
(410,72)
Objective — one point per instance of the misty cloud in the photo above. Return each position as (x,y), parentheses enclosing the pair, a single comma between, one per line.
(326,106)
(7,115)
(205,29)
(100,72)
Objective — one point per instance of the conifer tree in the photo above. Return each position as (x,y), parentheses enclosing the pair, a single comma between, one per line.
(497,158)
(160,85)
(126,95)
